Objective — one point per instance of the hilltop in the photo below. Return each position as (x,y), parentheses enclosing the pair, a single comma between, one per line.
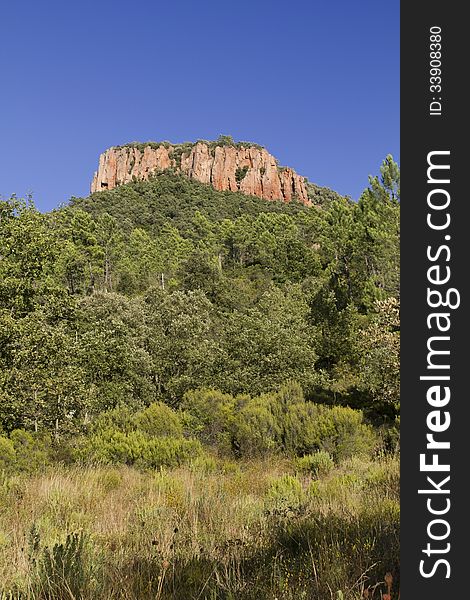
(226,165)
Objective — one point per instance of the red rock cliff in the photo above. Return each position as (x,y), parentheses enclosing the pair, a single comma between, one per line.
(249,169)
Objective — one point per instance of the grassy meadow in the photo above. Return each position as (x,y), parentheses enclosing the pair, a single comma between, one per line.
(213,529)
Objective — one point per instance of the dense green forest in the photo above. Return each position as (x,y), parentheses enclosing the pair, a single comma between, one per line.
(167,325)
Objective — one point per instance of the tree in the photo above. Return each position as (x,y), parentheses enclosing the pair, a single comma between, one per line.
(79,263)
(378,217)
(28,249)
(268,344)
(108,236)
(139,265)
(379,346)
(41,380)
(113,336)
(182,342)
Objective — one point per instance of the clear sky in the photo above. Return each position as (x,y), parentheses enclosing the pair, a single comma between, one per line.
(315,81)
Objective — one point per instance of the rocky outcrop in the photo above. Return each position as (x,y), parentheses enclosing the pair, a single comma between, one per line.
(246,168)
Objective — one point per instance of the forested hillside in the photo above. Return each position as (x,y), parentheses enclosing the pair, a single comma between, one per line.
(164,323)
(152,289)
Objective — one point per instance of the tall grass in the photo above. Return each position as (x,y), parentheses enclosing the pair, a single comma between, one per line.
(212,530)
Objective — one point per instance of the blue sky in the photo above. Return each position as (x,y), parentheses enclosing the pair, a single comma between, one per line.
(316,82)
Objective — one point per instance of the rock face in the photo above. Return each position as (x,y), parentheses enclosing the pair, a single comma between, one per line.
(247,168)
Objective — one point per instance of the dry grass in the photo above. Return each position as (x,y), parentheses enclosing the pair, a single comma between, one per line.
(202,532)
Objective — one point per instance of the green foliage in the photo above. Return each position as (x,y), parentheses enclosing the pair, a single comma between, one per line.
(159,420)
(156,420)
(184,350)
(28,248)
(225,140)
(277,422)
(41,379)
(209,416)
(65,570)
(33,452)
(149,438)
(172,200)
(269,343)
(351,436)
(379,352)
(139,294)
(135,448)
(121,418)
(7,454)
(257,430)
(317,464)
(24,452)
(240,173)
(284,494)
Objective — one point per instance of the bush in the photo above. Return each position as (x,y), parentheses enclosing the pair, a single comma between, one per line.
(32,450)
(290,394)
(23,451)
(159,420)
(120,418)
(171,452)
(111,479)
(204,463)
(281,421)
(7,454)
(351,437)
(135,448)
(65,570)
(318,464)
(209,416)
(284,494)
(306,426)
(257,430)
(156,420)
(240,174)
(338,430)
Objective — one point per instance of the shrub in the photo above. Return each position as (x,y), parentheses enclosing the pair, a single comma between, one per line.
(204,464)
(257,430)
(290,393)
(7,454)
(110,479)
(159,420)
(23,451)
(318,464)
(284,494)
(32,450)
(240,174)
(156,420)
(135,448)
(210,416)
(120,418)
(338,430)
(263,423)
(170,452)
(306,426)
(274,422)
(65,570)
(351,435)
